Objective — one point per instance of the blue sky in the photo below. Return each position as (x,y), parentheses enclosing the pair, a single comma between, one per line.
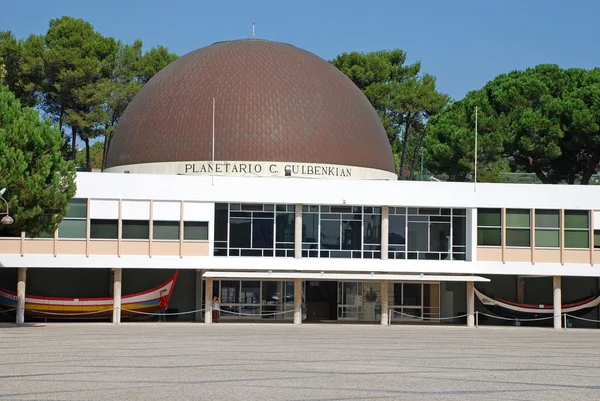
(463,43)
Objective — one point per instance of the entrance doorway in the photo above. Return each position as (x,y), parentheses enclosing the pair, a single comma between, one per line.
(321,300)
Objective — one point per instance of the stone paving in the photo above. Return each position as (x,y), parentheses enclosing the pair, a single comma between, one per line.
(190,361)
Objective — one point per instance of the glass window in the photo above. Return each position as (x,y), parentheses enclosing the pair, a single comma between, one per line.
(596,239)
(77,208)
(439,239)
(397,230)
(72,228)
(330,234)
(262,233)
(577,229)
(195,230)
(230,290)
(372,229)
(547,228)
(518,232)
(459,231)
(285,227)
(103,229)
(165,230)
(74,224)
(221,221)
(135,229)
(352,234)
(310,227)
(489,227)
(489,217)
(418,237)
(240,233)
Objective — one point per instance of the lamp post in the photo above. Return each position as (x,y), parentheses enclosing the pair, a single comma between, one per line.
(6,220)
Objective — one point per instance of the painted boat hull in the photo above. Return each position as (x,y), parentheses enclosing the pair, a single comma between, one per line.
(515,310)
(88,308)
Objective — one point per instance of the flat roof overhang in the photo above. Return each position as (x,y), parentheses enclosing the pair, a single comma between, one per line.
(266,275)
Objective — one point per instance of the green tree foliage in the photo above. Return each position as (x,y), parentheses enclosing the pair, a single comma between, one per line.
(96,156)
(82,80)
(544,120)
(402,96)
(38,181)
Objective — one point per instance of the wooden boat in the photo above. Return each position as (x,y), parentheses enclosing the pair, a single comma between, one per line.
(517,310)
(87,308)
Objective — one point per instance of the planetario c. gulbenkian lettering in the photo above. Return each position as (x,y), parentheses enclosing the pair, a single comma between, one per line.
(256,172)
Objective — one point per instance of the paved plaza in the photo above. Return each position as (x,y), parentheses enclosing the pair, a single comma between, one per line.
(179,361)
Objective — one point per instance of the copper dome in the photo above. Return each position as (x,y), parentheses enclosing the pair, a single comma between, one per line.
(274,102)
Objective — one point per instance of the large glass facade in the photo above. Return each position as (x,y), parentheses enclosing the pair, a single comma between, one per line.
(253,299)
(254,230)
(341,231)
(427,233)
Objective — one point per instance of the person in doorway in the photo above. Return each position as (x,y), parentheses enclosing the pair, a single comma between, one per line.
(163,303)
(216,309)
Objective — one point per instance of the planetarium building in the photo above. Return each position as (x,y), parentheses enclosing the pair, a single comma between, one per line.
(257,172)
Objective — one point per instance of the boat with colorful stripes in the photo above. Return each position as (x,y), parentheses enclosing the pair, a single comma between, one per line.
(134,305)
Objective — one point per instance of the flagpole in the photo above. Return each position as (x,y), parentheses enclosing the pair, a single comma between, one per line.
(475,180)
(213,143)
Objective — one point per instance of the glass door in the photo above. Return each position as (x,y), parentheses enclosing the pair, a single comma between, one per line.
(349,300)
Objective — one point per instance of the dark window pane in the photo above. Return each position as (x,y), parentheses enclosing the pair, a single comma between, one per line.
(310,227)
(372,229)
(577,239)
(596,239)
(135,229)
(195,230)
(240,233)
(417,237)
(72,228)
(330,234)
(518,218)
(221,221)
(577,219)
(262,233)
(77,208)
(285,225)
(459,212)
(165,230)
(439,237)
(459,231)
(518,237)
(252,207)
(397,229)
(352,235)
(429,211)
(547,218)
(341,209)
(489,237)
(547,238)
(488,218)
(103,229)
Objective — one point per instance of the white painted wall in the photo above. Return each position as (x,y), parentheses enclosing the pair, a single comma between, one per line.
(104,209)
(135,210)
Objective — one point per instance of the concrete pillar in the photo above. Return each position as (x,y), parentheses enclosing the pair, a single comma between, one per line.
(297,301)
(384,302)
(208,292)
(118,277)
(385,229)
(198,315)
(556,284)
(21,276)
(470,304)
(298,232)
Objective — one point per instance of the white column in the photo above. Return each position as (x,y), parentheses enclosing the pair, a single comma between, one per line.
(385,229)
(556,284)
(384,302)
(297,301)
(298,232)
(208,291)
(21,275)
(198,315)
(470,304)
(118,277)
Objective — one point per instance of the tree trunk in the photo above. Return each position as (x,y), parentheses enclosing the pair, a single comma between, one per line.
(104,152)
(73,143)
(538,171)
(404,145)
(591,169)
(88,163)
(418,152)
